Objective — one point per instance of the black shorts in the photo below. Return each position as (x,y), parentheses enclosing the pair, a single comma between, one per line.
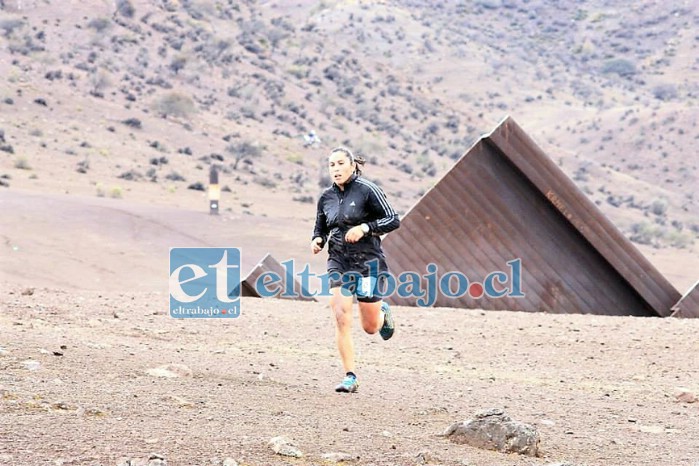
(362,275)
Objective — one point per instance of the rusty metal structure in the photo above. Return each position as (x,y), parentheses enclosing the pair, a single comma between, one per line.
(688,306)
(287,288)
(503,203)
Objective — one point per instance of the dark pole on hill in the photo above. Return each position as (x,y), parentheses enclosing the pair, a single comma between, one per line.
(214,191)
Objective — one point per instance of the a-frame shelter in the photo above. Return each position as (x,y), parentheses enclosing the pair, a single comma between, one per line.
(506,200)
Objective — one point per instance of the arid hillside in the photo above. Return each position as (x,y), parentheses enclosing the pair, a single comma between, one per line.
(112,114)
(136,99)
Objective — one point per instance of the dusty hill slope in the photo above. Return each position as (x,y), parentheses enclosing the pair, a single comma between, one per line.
(119,98)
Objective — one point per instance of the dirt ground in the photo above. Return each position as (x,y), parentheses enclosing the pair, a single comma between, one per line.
(85,341)
(76,387)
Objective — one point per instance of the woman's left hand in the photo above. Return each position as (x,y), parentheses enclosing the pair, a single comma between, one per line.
(354,234)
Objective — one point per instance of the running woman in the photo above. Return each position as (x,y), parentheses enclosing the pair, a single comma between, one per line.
(352,215)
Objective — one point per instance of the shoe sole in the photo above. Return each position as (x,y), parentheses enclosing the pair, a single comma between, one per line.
(342,389)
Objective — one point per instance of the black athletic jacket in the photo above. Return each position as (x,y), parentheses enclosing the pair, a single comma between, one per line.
(361,202)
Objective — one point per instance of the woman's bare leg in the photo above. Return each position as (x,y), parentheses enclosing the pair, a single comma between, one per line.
(342,311)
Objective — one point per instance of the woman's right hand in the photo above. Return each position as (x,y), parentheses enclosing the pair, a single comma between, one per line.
(317,244)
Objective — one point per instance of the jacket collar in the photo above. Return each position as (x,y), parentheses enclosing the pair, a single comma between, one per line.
(349,182)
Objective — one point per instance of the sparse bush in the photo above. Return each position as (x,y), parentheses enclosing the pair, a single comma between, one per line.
(159,161)
(304,199)
(116,192)
(658,207)
(83,166)
(125,8)
(295,158)
(8,26)
(406,168)
(198,186)
(131,175)
(298,72)
(133,123)
(151,174)
(53,75)
(679,240)
(100,81)
(178,63)
(174,176)
(665,92)
(243,151)
(174,104)
(22,163)
(265,181)
(7,148)
(99,24)
(157,146)
(645,233)
(620,66)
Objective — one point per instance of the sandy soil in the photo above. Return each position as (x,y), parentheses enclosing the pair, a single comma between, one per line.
(83,324)
(600,390)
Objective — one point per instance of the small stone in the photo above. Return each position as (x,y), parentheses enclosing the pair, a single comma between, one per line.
(424,457)
(62,405)
(284,447)
(170,371)
(652,429)
(686,396)
(338,457)
(229,462)
(178,400)
(31,365)
(96,412)
(156,460)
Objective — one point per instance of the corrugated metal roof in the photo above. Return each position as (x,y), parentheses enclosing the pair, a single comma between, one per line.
(270,264)
(506,200)
(688,306)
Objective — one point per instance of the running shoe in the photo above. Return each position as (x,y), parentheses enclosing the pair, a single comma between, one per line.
(349,385)
(388,326)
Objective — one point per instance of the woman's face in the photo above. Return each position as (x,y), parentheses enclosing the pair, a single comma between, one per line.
(340,167)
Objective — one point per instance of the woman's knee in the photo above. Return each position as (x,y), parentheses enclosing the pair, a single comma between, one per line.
(343,315)
(370,326)
(371,318)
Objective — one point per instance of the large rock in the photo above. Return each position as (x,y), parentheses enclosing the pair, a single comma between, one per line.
(495,430)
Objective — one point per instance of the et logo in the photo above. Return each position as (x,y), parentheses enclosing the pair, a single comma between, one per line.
(204,282)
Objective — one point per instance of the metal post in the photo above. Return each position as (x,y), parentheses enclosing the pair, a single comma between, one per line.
(214,191)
